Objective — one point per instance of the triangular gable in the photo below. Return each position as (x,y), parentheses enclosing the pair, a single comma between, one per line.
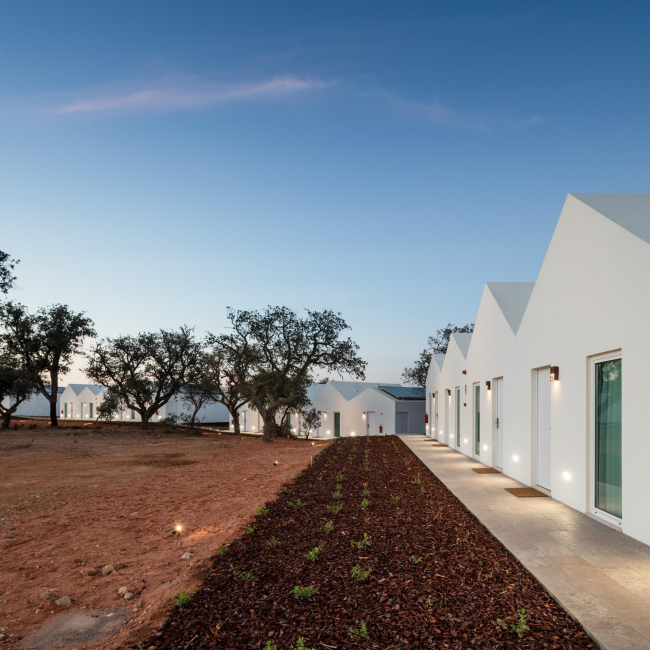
(630,211)
(463,340)
(512,299)
(439,358)
(351,389)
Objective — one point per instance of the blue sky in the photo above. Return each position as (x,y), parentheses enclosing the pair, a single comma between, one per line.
(160,161)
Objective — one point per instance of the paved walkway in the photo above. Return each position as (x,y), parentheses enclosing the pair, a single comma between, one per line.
(598,574)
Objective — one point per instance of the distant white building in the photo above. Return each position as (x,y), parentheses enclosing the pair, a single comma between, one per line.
(80,402)
(353,408)
(35,406)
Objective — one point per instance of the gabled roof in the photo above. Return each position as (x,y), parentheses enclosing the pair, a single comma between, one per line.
(94,388)
(405,392)
(630,211)
(439,358)
(512,298)
(314,389)
(350,389)
(463,340)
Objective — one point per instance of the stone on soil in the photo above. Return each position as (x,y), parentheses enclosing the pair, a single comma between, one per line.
(107,569)
(63,601)
(187,556)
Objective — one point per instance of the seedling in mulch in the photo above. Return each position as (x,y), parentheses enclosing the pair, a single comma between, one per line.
(365,503)
(270,646)
(249,529)
(262,512)
(301,645)
(297,505)
(340,478)
(367,468)
(359,574)
(285,489)
(366,493)
(414,559)
(242,575)
(315,552)
(223,549)
(304,593)
(336,495)
(395,499)
(350,461)
(274,542)
(354,450)
(329,527)
(363,543)
(417,480)
(359,633)
(334,510)
(184,597)
(519,627)
(422,489)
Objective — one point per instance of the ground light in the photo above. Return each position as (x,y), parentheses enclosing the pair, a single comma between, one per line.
(178,529)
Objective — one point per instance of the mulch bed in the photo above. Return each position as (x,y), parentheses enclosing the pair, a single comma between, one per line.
(451,598)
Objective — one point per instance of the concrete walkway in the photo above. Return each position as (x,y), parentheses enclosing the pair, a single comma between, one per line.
(597,574)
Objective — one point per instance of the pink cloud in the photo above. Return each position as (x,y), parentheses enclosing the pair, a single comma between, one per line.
(192,93)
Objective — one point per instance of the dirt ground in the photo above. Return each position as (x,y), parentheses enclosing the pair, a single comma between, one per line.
(75,500)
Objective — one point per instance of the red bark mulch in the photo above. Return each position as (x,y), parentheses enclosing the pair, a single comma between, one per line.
(450,598)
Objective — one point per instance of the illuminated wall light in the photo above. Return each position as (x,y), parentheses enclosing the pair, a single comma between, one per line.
(465,440)
(363,414)
(352,433)
(485,447)
(555,373)
(566,476)
(449,392)
(328,433)
(488,385)
(515,458)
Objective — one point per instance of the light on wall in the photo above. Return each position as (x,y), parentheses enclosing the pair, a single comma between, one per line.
(566,476)
(485,447)
(488,385)
(363,414)
(465,440)
(555,373)
(449,392)
(515,458)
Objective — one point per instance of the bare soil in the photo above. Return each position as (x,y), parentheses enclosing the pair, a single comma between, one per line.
(77,499)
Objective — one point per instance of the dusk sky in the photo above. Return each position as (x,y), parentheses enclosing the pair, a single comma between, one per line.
(160,161)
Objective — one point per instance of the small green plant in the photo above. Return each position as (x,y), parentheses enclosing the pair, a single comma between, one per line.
(414,559)
(285,490)
(417,480)
(336,495)
(519,627)
(274,542)
(242,575)
(340,478)
(361,544)
(329,527)
(249,529)
(315,552)
(140,646)
(359,574)
(366,493)
(262,512)
(184,597)
(354,450)
(359,633)
(395,499)
(299,474)
(334,510)
(304,593)
(297,505)
(270,646)
(422,489)
(367,468)
(429,602)
(365,503)
(223,550)
(301,645)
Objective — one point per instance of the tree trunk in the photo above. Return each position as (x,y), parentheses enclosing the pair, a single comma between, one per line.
(54,422)
(6,419)
(270,430)
(235,422)
(145,419)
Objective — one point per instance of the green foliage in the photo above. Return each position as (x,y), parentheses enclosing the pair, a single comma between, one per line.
(422,489)
(340,478)
(242,575)
(417,480)
(520,626)
(249,529)
(285,490)
(354,450)
(361,544)
(304,593)
(336,495)
(262,512)
(334,510)
(274,542)
(184,597)
(359,574)
(366,493)
(359,633)
(414,559)
(297,505)
(301,645)
(329,527)
(223,549)
(270,646)
(315,552)
(396,499)
(365,503)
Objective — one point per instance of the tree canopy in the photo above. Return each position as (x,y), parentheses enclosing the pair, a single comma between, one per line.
(16,385)
(7,278)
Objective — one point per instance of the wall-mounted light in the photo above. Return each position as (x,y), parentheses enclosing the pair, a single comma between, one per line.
(352,433)
(465,440)
(363,414)
(449,392)
(566,476)
(555,373)
(485,447)
(515,458)
(488,385)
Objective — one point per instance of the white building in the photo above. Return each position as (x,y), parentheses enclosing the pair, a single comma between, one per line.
(352,408)
(35,406)
(551,385)
(80,401)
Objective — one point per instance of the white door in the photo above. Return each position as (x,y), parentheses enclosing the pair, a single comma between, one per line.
(434,424)
(544,428)
(371,427)
(498,387)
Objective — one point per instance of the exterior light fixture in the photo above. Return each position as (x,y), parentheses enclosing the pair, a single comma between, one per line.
(363,414)
(179,528)
(465,440)
(352,433)
(328,433)
(515,458)
(485,447)
(488,385)
(555,373)
(566,476)
(449,392)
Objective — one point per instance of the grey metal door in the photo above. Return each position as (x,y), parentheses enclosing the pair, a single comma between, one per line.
(402,422)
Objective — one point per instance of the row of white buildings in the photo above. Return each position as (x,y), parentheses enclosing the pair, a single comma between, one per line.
(551,385)
(347,408)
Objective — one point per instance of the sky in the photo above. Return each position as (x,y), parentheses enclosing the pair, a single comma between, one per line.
(162,161)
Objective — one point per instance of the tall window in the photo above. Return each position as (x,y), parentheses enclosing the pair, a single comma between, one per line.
(458,417)
(608,447)
(477,420)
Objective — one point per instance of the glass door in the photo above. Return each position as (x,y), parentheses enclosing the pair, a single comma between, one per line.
(337,425)
(608,474)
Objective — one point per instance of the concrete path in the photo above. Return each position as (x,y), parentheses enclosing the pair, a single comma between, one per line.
(597,574)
